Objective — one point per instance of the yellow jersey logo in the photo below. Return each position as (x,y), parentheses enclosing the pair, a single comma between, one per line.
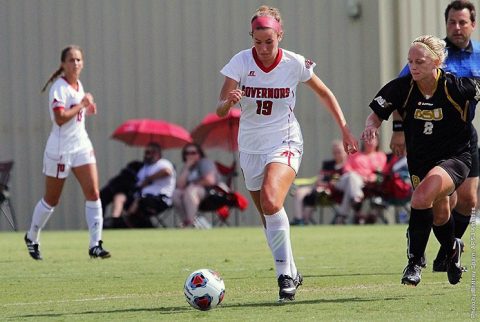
(429,115)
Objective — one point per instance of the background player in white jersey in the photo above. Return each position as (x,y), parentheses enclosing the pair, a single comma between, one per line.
(69,148)
(263,80)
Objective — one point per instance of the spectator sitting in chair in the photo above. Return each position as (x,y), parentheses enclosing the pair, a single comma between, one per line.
(360,169)
(155,186)
(119,192)
(305,197)
(198,174)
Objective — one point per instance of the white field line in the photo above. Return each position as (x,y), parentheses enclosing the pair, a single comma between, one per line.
(100,298)
(305,289)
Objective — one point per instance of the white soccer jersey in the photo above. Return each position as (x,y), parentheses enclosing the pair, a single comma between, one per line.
(267,119)
(71,136)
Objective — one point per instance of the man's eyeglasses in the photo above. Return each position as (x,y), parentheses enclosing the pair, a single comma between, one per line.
(149,152)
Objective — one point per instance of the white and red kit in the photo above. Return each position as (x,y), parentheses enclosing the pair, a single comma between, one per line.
(267,120)
(68,145)
(71,136)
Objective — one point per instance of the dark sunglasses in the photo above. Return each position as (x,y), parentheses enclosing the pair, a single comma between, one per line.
(148,152)
(190,152)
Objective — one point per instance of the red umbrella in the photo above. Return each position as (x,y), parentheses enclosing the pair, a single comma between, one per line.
(218,132)
(140,132)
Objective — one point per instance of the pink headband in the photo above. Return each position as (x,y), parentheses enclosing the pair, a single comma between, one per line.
(261,22)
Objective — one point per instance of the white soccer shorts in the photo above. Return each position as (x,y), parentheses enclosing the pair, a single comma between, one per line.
(253,165)
(59,166)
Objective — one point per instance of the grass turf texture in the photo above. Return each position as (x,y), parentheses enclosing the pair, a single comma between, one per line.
(352,273)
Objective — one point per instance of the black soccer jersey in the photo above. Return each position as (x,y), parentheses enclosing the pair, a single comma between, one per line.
(438,127)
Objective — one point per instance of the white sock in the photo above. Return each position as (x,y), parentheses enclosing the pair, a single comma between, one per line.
(293,267)
(41,213)
(93,214)
(278,237)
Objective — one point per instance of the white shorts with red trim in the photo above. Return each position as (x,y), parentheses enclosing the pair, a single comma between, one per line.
(253,165)
(58,166)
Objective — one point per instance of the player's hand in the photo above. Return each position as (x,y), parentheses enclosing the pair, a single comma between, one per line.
(369,134)
(87,100)
(234,96)
(92,109)
(89,104)
(397,143)
(350,143)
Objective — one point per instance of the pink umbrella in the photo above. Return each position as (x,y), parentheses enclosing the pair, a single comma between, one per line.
(140,132)
(218,132)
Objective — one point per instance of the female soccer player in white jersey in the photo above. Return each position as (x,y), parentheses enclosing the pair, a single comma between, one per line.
(69,148)
(263,80)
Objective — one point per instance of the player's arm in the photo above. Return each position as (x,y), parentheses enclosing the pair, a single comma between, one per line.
(229,96)
(397,141)
(469,88)
(326,96)
(372,124)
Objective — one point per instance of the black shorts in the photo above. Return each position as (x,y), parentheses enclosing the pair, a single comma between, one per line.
(457,168)
(310,200)
(475,169)
(151,205)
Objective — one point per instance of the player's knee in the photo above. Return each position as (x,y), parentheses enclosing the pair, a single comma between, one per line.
(92,194)
(440,219)
(420,201)
(52,202)
(270,204)
(467,201)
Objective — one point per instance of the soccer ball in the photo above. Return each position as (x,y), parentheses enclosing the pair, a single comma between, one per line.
(204,289)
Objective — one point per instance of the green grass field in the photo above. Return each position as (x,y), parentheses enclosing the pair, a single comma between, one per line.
(352,273)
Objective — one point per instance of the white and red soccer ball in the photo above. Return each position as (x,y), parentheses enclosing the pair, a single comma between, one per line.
(204,289)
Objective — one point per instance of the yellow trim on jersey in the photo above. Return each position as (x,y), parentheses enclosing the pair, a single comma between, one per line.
(463,113)
(404,106)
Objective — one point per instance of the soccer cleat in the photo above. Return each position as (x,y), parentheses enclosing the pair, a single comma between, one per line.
(32,249)
(98,251)
(454,268)
(287,288)
(440,264)
(298,280)
(412,274)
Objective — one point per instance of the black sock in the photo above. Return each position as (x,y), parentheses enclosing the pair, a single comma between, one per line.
(445,235)
(418,232)
(461,223)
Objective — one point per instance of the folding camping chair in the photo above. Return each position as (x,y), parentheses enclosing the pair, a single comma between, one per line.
(393,188)
(6,206)
(223,197)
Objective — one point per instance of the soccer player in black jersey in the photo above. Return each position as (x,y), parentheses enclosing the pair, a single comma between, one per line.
(463,60)
(434,107)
